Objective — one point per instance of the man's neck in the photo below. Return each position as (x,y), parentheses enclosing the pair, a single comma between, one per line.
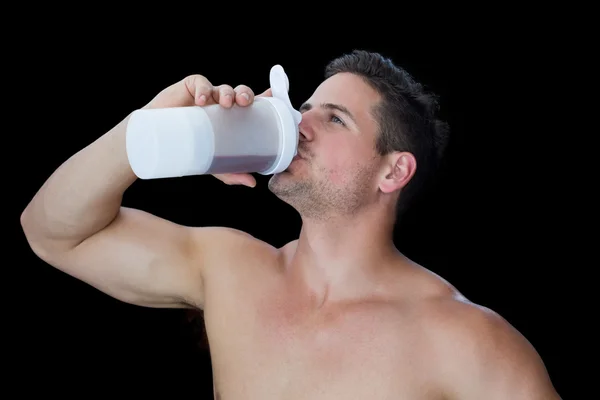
(340,257)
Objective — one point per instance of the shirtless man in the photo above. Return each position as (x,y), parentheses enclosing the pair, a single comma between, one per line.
(339,313)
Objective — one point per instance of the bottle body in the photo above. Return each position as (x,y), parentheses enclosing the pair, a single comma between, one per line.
(247,139)
(183,141)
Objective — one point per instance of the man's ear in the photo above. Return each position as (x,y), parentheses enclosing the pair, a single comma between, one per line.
(399,170)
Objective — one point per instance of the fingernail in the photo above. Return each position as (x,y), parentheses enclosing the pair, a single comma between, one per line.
(245,95)
(202,99)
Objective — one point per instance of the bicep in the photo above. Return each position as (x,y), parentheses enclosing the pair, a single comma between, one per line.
(139,259)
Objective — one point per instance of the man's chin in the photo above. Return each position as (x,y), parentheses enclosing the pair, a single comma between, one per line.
(285,185)
(275,183)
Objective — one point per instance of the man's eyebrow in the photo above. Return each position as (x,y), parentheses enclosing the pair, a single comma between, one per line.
(330,106)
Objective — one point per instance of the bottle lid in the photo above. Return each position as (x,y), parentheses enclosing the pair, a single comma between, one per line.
(280,86)
(290,119)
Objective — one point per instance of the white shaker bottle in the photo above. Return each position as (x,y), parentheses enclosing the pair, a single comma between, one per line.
(183,141)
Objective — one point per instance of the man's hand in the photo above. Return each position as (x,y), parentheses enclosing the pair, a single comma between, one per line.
(197,90)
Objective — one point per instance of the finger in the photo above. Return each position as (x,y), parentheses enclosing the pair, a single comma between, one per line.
(244,96)
(203,95)
(237,179)
(224,95)
(200,88)
(243,179)
(266,93)
(248,180)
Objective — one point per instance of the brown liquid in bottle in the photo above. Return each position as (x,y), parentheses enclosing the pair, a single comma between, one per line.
(240,164)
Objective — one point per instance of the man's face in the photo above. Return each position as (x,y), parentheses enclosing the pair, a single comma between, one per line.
(338,164)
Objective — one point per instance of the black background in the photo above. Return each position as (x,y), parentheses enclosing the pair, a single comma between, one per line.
(489,227)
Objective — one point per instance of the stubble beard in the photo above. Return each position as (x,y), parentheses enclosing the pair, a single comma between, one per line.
(316,198)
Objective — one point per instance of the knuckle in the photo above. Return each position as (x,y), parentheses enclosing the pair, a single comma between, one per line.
(197,82)
(205,90)
(196,79)
(243,89)
(225,89)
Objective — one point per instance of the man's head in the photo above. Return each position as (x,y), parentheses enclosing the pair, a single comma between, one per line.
(369,137)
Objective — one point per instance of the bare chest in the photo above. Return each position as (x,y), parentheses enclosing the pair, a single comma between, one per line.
(273,349)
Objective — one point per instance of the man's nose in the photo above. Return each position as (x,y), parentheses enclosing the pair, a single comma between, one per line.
(306,128)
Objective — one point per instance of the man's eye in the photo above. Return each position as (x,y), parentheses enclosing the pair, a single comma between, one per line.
(336,120)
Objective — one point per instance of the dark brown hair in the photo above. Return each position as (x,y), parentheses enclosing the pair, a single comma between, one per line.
(407,115)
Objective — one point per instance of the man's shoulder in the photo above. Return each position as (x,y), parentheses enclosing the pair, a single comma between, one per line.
(477,350)
(230,246)
(448,313)
(223,236)
(453,318)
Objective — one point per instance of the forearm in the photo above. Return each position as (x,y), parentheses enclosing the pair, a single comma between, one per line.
(83,195)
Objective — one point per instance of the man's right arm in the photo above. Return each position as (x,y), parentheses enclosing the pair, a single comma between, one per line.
(77,224)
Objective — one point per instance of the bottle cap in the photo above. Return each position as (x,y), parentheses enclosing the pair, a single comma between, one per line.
(280,86)
(290,119)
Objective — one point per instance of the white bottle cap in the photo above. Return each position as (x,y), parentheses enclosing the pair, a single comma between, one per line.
(289,119)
